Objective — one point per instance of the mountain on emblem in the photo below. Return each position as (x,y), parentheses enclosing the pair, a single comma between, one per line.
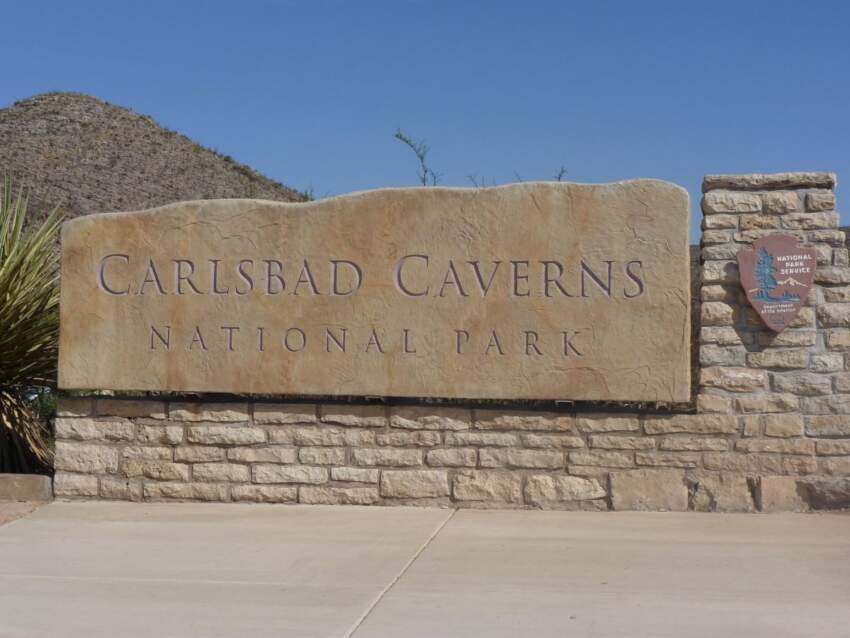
(777,274)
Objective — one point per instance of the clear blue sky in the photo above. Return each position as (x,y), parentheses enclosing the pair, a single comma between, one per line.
(310,93)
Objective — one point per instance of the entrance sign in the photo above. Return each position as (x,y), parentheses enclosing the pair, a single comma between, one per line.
(777,274)
(526,291)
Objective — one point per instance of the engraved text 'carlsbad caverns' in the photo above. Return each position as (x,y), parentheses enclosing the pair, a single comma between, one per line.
(412,276)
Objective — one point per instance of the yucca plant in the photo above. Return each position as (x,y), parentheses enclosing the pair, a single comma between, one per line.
(29,330)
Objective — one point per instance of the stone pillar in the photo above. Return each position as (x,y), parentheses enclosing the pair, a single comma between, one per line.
(791,389)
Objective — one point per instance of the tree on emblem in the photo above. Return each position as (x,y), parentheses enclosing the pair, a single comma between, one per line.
(765,276)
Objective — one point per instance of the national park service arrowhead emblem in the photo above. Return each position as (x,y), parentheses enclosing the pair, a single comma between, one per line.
(777,274)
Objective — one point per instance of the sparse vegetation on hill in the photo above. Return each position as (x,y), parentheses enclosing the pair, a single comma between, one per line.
(88,156)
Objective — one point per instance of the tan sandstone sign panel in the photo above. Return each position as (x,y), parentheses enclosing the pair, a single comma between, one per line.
(526,291)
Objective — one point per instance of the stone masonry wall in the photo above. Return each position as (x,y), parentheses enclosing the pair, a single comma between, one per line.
(770,429)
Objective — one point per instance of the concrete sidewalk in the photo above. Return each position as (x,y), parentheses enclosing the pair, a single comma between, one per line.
(185,570)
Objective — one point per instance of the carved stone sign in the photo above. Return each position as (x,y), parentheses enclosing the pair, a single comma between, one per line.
(777,274)
(526,291)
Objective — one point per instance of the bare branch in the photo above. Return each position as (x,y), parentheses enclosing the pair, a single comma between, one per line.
(420,149)
(562,173)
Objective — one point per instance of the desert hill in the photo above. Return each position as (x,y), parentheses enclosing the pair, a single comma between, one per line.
(89,156)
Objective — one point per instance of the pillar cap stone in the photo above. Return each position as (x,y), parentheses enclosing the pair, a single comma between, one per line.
(763,181)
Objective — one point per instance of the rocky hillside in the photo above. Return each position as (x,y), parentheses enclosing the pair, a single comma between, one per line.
(88,156)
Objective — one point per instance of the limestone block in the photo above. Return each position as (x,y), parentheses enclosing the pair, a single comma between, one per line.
(424,438)
(832,237)
(326,495)
(760,181)
(414,483)
(724,201)
(837,294)
(833,404)
(157,491)
(164,434)
(312,436)
(832,275)
(225,435)
(720,292)
(783,425)
(392,457)
(723,271)
(222,412)
(74,406)
(67,484)
(264,493)
(616,442)
(834,315)
(716,237)
(781,202)
(827,447)
(752,426)
(501,420)
(602,459)
(667,459)
(198,454)
(720,335)
(452,457)
(827,362)
(820,200)
(751,222)
(838,339)
(221,472)
(719,222)
(721,492)
(686,443)
(488,486)
(87,429)
(546,489)
(734,379)
(802,383)
(776,446)
(789,338)
(781,359)
(147,453)
(781,494)
(126,408)
(271,454)
(269,473)
(284,413)
(691,423)
(607,423)
(652,490)
(86,458)
(711,355)
(827,493)
(713,403)
(355,474)
(557,441)
(322,455)
(360,416)
(284,435)
(753,403)
(810,221)
(157,470)
(499,439)
(805,319)
(836,465)
(121,488)
(25,487)
(430,418)
(509,457)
